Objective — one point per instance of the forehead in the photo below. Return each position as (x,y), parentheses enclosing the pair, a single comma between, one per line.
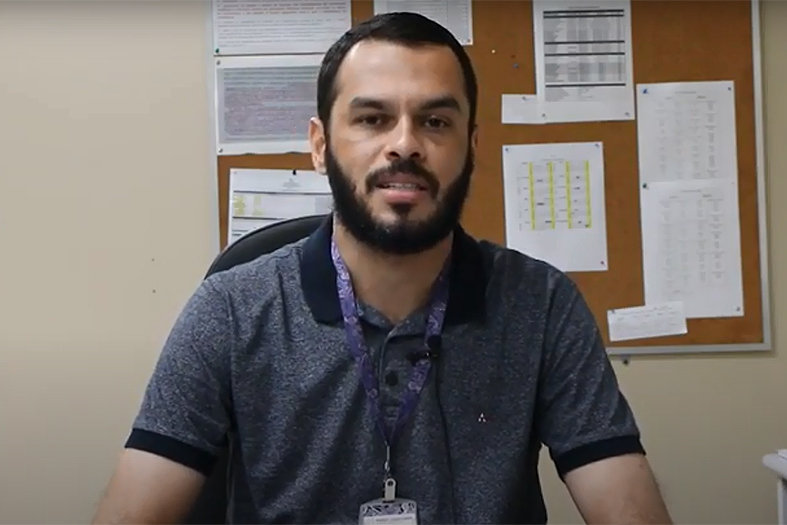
(401,73)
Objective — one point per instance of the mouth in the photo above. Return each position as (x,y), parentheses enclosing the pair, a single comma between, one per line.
(402,182)
(402,186)
(402,189)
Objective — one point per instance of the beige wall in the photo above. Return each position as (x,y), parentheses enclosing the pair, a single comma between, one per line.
(106,225)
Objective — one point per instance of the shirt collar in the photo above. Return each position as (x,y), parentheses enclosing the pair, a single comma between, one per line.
(468,279)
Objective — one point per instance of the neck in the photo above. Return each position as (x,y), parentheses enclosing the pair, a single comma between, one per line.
(394,285)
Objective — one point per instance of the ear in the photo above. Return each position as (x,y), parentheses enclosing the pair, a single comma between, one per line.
(474,139)
(317,143)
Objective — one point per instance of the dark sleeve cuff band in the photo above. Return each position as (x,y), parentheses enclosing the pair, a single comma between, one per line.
(171,448)
(596,451)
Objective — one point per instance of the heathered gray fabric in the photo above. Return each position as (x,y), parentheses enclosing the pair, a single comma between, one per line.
(246,355)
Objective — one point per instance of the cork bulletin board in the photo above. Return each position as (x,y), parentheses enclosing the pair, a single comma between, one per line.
(671,42)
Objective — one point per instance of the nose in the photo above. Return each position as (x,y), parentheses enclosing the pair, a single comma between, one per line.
(404,142)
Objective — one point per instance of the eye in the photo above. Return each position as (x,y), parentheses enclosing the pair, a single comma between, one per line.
(370,120)
(437,123)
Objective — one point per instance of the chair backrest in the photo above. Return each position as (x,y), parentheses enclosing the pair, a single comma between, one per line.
(211,505)
(265,240)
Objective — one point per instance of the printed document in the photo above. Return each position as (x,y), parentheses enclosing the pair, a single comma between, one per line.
(686,131)
(454,15)
(263,104)
(583,60)
(554,204)
(691,246)
(690,222)
(640,322)
(259,27)
(260,197)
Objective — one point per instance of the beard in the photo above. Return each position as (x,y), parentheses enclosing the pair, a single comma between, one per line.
(405,236)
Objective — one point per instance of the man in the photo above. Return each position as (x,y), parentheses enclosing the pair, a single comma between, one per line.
(291,357)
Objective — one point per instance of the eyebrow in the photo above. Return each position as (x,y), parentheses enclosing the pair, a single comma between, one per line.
(367,103)
(443,102)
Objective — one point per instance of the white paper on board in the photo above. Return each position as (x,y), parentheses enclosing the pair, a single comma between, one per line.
(554,204)
(521,109)
(691,246)
(583,58)
(259,27)
(454,15)
(640,322)
(260,197)
(689,199)
(263,104)
(686,131)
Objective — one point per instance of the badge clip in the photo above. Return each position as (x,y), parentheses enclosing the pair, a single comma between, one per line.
(390,490)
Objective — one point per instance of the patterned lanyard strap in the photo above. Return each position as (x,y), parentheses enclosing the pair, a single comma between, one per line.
(359,350)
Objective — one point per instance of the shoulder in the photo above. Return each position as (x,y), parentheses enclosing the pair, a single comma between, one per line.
(541,301)
(540,304)
(232,306)
(260,280)
(520,278)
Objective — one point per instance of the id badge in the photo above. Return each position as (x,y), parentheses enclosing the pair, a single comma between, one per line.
(389,509)
(382,512)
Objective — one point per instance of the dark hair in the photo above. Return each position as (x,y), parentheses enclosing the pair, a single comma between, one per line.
(408,29)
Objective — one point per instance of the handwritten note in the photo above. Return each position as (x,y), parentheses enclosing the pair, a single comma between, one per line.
(652,320)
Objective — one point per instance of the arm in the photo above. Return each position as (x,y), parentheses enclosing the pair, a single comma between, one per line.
(587,423)
(148,488)
(629,477)
(183,422)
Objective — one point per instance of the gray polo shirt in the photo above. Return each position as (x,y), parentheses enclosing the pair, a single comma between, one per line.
(258,359)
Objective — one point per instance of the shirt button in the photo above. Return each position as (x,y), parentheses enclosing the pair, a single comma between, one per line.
(391,379)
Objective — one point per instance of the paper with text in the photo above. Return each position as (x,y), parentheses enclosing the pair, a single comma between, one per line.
(263,104)
(583,60)
(521,109)
(259,197)
(454,15)
(259,27)
(688,169)
(686,131)
(691,246)
(554,204)
(640,322)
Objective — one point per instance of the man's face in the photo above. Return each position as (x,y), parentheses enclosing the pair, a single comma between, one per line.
(397,153)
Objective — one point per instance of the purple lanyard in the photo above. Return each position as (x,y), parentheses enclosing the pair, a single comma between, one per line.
(359,351)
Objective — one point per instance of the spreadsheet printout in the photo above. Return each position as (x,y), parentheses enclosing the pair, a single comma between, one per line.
(691,246)
(554,203)
(583,60)
(260,197)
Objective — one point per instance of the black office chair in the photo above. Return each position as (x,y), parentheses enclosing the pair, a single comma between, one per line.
(211,505)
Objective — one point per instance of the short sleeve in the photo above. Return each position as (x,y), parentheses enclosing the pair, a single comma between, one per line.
(582,415)
(185,411)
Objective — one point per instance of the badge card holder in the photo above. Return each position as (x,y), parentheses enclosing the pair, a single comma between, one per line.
(389,509)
